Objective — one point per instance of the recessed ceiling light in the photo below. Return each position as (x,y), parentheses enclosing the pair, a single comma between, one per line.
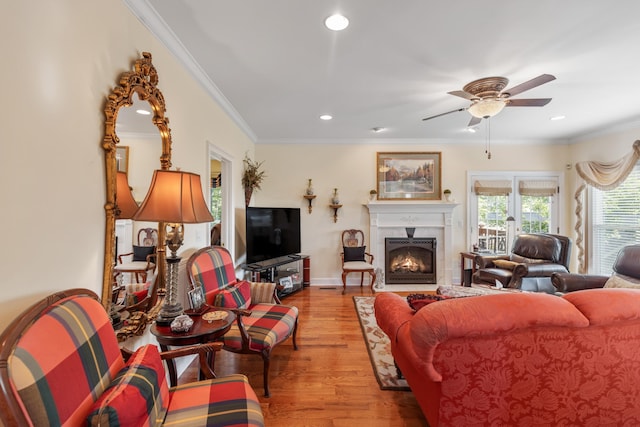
(554,118)
(378,130)
(336,22)
(143,112)
(326,117)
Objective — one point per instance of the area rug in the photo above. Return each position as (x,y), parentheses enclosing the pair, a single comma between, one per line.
(378,346)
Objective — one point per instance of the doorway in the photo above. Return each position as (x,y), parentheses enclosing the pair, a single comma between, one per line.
(219,166)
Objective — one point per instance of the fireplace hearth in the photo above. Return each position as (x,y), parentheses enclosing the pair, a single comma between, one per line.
(410,260)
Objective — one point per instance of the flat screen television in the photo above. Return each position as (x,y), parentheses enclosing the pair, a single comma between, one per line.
(272,233)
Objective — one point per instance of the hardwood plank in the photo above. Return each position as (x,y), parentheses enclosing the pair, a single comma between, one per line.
(329,381)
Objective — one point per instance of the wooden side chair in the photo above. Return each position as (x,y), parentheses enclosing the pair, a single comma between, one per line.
(60,364)
(355,258)
(262,322)
(143,257)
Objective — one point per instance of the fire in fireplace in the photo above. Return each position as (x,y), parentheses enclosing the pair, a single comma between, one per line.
(410,260)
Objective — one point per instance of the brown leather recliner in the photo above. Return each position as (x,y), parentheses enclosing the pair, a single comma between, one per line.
(533,259)
(626,266)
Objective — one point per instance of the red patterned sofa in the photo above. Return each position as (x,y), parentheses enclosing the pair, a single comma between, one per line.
(60,364)
(520,358)
(262,321)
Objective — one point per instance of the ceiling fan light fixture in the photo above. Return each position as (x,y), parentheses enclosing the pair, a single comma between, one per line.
(487,107)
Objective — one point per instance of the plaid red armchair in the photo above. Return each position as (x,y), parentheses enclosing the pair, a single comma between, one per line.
(60,364)
(262,322)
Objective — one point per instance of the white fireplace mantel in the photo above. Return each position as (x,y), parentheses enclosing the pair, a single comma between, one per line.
(430,219)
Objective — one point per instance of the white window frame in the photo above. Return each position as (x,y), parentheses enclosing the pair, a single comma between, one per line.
(556,221)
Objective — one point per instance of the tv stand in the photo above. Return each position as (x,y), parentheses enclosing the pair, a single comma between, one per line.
(297,267)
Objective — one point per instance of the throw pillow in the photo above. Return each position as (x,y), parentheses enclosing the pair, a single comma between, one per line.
(616,281)
(417,301)
(262,292)
(505,264)
(354,253)
(140,253)
(136,292)
(235,296)
(138,395)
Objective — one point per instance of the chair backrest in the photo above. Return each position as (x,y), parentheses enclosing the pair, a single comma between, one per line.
(216,233)
(148,237)
(212,268)
(542,246)
(56,360)
(628,261)
(353,238)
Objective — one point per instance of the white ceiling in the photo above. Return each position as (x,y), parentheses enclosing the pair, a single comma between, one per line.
(276,68)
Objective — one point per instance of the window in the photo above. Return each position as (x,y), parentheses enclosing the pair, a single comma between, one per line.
(615,222)
(498,213)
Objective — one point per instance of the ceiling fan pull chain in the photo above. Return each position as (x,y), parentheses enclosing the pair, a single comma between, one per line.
(487,144)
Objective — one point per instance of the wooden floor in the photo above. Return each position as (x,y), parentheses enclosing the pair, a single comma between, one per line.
(329,380)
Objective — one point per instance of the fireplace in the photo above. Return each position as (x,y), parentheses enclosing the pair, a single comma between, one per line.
(393,219)
(410,260)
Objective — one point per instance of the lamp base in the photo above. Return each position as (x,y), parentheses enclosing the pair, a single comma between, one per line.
(168,314)
(171,307)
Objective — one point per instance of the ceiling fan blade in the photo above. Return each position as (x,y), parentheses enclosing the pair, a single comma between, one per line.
(537,102)
(461,94)
(444,114)
(540,80)
(474,121)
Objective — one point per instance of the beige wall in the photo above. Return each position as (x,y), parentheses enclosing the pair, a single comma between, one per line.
(351,168)
(58,66)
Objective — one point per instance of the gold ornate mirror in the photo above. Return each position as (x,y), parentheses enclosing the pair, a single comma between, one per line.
(141,83)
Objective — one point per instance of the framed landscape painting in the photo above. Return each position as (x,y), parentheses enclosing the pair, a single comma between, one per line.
(408,176)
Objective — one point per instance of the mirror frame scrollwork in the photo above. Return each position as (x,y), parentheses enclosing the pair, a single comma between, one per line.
(143,81)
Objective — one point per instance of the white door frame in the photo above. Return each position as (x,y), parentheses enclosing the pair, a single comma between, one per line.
(228,219)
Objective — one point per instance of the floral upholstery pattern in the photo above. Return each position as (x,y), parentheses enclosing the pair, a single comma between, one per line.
(521,358)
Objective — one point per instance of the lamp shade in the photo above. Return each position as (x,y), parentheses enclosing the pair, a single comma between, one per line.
(126,205)
(174,196)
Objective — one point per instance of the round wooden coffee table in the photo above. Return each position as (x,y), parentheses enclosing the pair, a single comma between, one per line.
(202,331)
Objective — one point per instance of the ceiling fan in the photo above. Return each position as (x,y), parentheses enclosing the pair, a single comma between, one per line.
(488,97)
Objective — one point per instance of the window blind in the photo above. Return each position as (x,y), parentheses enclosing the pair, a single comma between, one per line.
(492,187)
(538,188)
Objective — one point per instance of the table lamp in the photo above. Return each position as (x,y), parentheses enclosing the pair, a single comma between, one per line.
(175,198)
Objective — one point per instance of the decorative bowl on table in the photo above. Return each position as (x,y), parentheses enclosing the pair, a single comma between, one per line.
(214,315)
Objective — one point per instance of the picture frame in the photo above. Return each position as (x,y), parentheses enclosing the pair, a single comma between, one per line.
(122,158)
(196,298)
(409,176)
(286,282)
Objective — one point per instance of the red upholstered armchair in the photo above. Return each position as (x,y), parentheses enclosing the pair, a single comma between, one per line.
(262,322)
(60,364)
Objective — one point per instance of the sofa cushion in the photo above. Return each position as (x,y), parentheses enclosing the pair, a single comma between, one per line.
(236,296)
(538,246)
(230,402)
(354,253)
(505,264)
(140,253)
(606,306)
(138,396)
(617,281)
(268,325)
(73,339)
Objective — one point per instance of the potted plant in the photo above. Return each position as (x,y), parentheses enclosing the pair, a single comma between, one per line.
(447,194)
(252,177)
(372,194)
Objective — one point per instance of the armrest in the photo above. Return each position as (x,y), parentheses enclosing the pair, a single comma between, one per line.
(123,255)
(569,282)
(486,261)
(201,350)
(370,256)
(538,270)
